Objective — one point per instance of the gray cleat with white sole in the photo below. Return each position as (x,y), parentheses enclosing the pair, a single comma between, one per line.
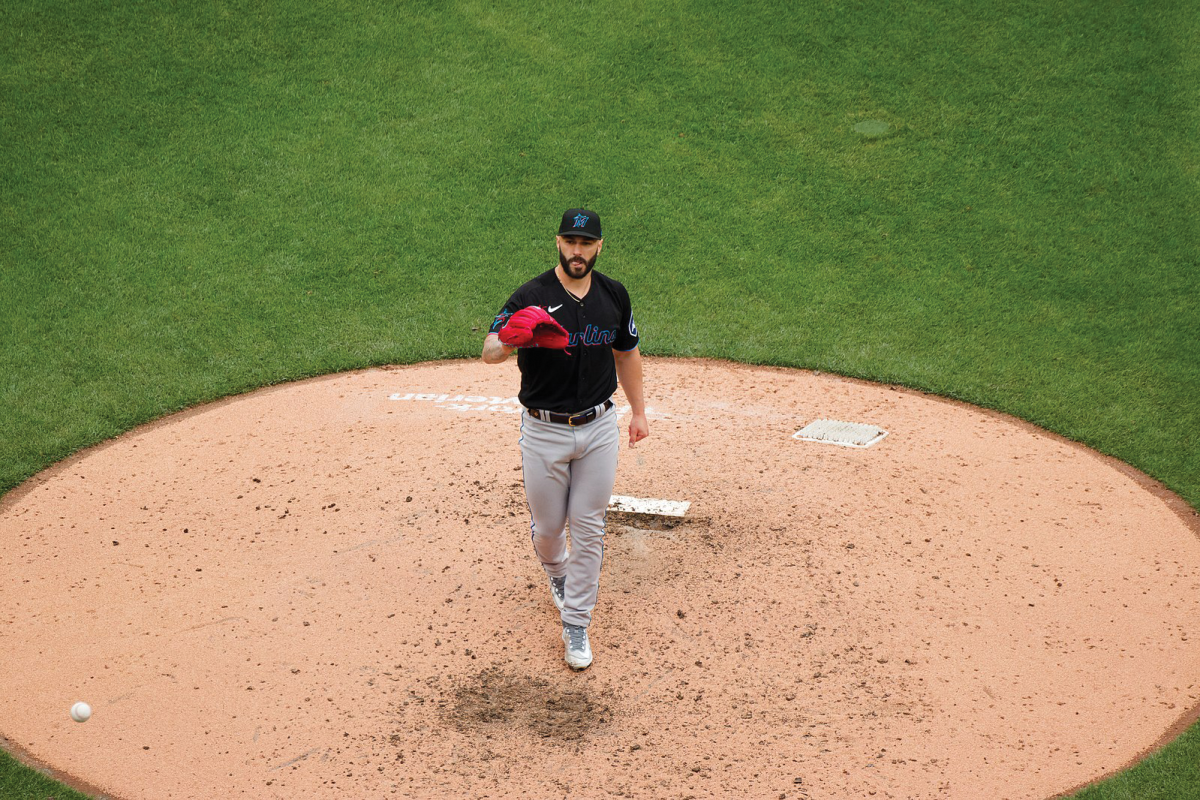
(579,650)
(558,592)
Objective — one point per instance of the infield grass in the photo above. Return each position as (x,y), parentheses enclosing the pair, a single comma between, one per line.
(198,199)
(18,782)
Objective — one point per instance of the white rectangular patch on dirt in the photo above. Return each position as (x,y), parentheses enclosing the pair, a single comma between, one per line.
(645,505)
(846,434)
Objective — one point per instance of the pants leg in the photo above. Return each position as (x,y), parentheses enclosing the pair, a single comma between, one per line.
(569,476)
(592,477)
(546,472)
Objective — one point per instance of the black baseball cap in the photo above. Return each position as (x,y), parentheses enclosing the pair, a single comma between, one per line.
(580,222)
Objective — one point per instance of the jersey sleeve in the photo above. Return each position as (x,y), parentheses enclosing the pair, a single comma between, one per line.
(514,304)
(627,332)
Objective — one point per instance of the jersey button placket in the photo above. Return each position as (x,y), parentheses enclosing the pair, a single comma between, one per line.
(583,365)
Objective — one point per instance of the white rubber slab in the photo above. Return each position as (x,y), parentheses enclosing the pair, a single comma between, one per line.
(845,434)
(645,505)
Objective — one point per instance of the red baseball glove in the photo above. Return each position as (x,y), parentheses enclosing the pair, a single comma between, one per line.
(534,327)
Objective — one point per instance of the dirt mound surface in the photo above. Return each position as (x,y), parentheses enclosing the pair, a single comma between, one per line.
(326,589)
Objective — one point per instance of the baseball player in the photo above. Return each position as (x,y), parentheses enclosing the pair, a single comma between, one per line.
(574,332)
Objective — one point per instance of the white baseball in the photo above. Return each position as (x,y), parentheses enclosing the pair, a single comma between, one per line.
(81,712)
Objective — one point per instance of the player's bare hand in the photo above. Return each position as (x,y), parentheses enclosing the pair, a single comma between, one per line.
(639,429)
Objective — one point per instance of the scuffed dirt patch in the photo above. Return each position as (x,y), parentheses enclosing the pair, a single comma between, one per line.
(496,697)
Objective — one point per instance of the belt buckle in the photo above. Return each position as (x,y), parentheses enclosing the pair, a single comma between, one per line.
(571,419)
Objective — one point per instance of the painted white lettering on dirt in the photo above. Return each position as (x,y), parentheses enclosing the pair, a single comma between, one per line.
(479,402)
(462,402)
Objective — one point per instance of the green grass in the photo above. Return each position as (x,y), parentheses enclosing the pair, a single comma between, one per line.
(1171,774)
(200,198)
(18,782)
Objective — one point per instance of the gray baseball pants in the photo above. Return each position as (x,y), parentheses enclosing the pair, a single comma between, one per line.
(569,474)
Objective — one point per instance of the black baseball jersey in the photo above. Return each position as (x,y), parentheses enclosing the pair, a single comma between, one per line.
(585,376)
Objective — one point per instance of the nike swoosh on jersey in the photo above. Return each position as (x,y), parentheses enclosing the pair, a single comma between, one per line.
(552,309)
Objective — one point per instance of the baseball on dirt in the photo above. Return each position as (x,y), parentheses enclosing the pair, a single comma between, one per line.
(81,712)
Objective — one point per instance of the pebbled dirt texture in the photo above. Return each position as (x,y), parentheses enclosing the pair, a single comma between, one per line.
(326,589)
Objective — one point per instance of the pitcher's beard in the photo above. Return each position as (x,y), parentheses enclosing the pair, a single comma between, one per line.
(578,269)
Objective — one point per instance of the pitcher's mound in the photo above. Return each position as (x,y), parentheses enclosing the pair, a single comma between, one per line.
(327,589)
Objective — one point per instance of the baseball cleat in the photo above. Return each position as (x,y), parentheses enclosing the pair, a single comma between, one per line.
(558,592)
(579,651)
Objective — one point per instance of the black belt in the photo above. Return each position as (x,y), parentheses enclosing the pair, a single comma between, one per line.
(580,418)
